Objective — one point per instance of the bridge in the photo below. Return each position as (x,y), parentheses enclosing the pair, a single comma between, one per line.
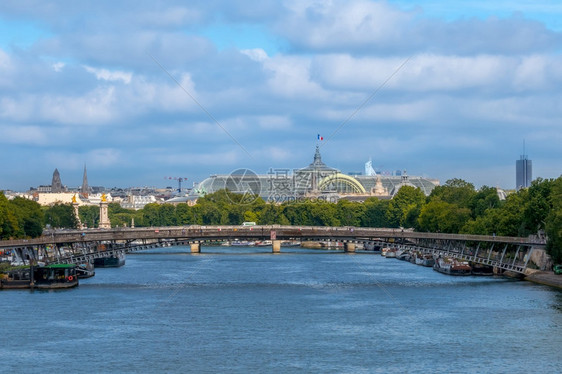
(79,246)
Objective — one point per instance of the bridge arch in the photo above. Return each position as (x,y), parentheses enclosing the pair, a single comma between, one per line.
(341,183)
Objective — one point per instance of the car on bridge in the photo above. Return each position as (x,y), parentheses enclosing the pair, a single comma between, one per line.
(558,269)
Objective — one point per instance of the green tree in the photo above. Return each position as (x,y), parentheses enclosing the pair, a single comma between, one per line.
(554,222)
(184,214)
(375,213)
(349,213)
(9,226)
(485,198)
(538,206)
(119,216)
(408,200)
(30,217)
(61,216)
(507,220)
(270,215)
(440,216)
(454,191)
(89,215)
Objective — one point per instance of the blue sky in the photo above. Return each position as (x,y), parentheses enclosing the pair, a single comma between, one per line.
(96,83)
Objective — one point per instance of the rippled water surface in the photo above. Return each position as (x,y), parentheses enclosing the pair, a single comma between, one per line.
(244,310)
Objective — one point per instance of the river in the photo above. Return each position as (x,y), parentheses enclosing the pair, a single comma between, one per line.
(243,310)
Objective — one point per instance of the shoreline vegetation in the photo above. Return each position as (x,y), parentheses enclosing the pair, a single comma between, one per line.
(455,207)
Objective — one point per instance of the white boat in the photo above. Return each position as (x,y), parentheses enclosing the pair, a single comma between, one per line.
(391,253)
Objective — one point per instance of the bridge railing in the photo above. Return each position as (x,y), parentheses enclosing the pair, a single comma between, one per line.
(251,232)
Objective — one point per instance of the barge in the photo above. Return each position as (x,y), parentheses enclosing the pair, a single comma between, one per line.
(54,276)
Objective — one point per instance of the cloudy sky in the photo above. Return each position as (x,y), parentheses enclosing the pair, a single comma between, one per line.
(141,90)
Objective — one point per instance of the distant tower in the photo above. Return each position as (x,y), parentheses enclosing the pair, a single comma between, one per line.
(369,168)
(85,189)
(523,171)
(56,184)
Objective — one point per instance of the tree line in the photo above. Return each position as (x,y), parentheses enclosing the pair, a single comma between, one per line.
(455,207)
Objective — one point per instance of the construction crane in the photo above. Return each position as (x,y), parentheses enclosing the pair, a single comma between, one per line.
(179,179)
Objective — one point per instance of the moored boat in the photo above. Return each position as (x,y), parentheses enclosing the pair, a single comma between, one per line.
(44,277)
(242,243)
(391,253)
(55,276)
(428,260)
(264,243)
(85,270)
(404,256)
(110,261)
(452,266)
(481,269)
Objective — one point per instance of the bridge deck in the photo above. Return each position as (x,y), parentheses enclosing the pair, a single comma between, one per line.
(508,253)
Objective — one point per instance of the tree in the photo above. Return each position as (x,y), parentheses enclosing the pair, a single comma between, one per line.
(9,226)
(270,215)
(538,205)
(89,215)
(61,216)
(30,217)
(507,220)
(119,216)
(554,222)
(440,216)
(349,213)
(454,191)
(184,214)
(375,213)
(407,199)
(485,198)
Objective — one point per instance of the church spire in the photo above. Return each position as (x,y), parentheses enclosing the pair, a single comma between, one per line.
(85,188)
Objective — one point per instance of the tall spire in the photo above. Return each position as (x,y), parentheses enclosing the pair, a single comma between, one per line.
(85,188)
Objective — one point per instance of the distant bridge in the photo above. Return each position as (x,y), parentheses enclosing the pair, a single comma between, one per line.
(78,246)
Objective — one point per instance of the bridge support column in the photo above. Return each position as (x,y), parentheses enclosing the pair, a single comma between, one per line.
(195,248)
(349,247)
(276,246)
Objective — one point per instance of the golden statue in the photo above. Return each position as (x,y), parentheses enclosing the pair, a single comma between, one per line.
(103,198)
(74,199)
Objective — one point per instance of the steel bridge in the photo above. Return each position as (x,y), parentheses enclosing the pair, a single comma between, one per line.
(79,246)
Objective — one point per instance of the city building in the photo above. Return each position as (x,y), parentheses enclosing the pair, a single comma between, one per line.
(317,180)
(523,172)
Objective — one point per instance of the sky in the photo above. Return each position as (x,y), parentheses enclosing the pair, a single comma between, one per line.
(140,91)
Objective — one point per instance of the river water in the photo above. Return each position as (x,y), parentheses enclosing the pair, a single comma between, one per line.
(243,310)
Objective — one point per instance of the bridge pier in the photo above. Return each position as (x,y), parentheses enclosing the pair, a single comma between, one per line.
(195,247)
(276,246)
(349,247)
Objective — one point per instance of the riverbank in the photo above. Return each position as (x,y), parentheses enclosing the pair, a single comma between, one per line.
(547,278)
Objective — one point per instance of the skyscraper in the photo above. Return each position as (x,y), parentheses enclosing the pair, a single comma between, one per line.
(523,172)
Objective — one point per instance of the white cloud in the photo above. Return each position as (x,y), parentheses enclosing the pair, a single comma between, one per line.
(256,54)
(111,76)
(57,66)
(477,85)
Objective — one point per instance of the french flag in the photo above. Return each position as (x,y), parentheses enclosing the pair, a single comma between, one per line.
(320,137)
